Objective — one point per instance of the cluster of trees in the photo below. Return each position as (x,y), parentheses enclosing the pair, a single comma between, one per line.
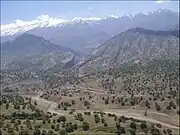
(65,105)
(79,117)
(68,127)
(39,115)
(108,84)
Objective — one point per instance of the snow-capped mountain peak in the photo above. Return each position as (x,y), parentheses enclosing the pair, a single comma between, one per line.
(86,19)
(20,26)
(82,20)
(114,16)
(41,21)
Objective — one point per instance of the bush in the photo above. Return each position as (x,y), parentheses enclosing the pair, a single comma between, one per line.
(133,125)
(102,120)
(105,124)
(101,113)
(115,118)
(132,132)
(53,126)
(36,132)
(158,125)
(63,132)
(112,101)
(117,125)
(57,127)
(73,102)
(65,108)
(111,115)
(16,106)
(69,128)
(61,119)
(164,131)
(72,111)
(106,101)
(133,101)
(155,131)
(169,131)
(44,132)
(158,108)
(97,119)
(147,104)
(87,113)
(79,117)
(122,119)
(44,122)
(168,107)
(49,121)
(75,126)
(85,126)
(35,103)
(24,106)
(143,125)
(171,103)
(63,124)
(122,130)
(86,103)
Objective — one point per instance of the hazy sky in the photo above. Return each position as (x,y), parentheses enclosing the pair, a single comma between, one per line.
(30,10)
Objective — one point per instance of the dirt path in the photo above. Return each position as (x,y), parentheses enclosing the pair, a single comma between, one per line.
(126,113)
(52,105)
(141,117)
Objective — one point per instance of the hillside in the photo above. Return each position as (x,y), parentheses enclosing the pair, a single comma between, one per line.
(33,54)
(135,44)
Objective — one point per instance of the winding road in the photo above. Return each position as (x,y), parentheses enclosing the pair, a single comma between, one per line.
(127,113)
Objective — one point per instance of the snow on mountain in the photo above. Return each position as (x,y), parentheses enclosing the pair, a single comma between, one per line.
(19,26)
(86,19)
(41,21)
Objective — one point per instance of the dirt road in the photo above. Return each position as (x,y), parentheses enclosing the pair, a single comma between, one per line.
(127,113)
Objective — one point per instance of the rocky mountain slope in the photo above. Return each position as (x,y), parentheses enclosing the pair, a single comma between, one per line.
(83,34)
(33,54)
(79,37)
(134,45)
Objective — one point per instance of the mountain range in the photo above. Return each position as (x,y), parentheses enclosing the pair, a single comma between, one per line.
(91,44)
(85,34)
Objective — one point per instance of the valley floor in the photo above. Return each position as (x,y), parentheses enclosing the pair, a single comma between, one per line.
(152,117)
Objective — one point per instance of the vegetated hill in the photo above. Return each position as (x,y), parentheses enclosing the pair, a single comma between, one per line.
(134,45)
(83,34)
(33,54)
